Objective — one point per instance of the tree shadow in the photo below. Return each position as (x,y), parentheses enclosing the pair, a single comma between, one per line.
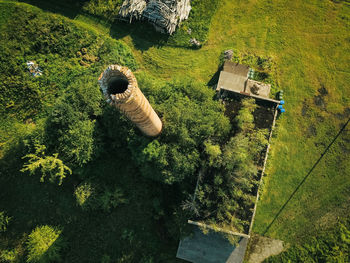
(139,229)
(136,229)
(305,177)
(143,35)
(68,8)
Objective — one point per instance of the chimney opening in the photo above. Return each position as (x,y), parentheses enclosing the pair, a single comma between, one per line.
(117,85)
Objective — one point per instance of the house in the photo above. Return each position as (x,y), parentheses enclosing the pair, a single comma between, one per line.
(235,78)
(212,247)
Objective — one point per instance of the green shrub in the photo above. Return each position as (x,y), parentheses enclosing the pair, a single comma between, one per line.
(8,255)
(70,128)
(104,8)
(105,259)
(92,196)
(190,118)
(111,199)
(82,194)
(46,165)
(44,245)
(225,193)
(4,221)
(213,152)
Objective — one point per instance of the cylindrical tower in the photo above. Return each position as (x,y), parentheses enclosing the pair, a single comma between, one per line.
(120,89)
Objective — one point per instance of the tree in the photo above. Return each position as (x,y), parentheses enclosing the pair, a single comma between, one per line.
(46,165)
(245,118)
(190,117)
(70,129)
(9,255)
(213,151)
(4,221)
(225,193)
(83,193)
(44,245)
(92,196)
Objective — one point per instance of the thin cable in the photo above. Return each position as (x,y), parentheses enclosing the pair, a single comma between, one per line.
(308,174)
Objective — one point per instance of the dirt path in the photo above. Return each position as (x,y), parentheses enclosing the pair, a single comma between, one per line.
(261,248)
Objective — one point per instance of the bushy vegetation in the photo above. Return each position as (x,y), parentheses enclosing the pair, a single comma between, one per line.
(8,255)
(308,58)
(44,245)
(70,58)
(190,117)
(330,246)
(105,8)
(4,221)
(55,46)
(225,195)
(71,127)
(90,196)
(42,164)
(74,131)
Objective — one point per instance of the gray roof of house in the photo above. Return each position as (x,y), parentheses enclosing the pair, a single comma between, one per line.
(235,68)
(211,248)
(231,81)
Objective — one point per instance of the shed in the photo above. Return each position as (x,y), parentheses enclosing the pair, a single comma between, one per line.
(212,247)
(232,82)
(237,69)
(234,78)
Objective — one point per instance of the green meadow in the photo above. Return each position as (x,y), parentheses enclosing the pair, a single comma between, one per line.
(309,43)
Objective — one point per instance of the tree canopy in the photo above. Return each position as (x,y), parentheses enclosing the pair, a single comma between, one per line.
(190,117)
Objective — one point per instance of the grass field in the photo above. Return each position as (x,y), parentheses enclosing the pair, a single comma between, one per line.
(310,43)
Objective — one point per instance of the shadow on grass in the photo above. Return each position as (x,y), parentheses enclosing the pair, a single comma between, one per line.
(68,8)
(306,176)
(215,78)
(143,35)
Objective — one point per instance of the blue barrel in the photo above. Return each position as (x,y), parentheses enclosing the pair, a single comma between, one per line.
(283,110)
(280,107)
(281,102)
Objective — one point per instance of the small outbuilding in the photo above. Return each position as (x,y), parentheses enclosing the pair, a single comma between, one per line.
(235,78)
(212,247)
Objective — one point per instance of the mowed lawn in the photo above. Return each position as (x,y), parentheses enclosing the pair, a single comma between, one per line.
(310,43)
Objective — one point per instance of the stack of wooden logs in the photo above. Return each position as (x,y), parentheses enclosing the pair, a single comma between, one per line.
(164,15)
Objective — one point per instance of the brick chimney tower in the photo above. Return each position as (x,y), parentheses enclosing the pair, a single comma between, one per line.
(120,89)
